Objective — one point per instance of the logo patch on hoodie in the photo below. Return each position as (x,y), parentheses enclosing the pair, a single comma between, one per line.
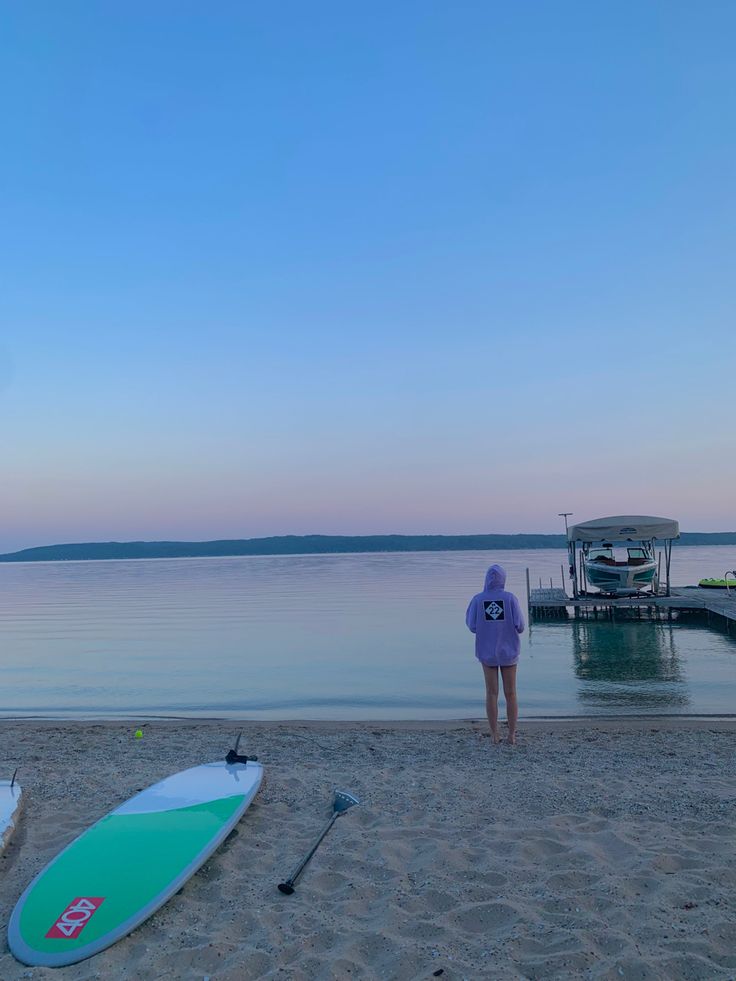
(493,609)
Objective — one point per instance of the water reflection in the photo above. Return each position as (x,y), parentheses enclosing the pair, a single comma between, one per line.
(632,662)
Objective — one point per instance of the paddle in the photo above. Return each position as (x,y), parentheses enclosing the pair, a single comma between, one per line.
(343,802)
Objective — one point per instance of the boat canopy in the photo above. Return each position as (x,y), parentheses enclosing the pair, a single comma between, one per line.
(624,528)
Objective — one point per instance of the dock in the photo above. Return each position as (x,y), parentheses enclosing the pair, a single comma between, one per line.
(546,603)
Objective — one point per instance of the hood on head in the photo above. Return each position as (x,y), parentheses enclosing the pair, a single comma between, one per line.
(495,578)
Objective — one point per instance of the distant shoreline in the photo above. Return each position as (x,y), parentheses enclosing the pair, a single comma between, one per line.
(314,545)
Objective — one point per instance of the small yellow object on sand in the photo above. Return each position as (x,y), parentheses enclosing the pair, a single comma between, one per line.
(138,734)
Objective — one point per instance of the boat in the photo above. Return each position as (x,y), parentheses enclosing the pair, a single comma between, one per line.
(622,573)
(617,554)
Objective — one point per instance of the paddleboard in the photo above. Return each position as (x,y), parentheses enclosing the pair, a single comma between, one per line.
(11,799)
(118,872)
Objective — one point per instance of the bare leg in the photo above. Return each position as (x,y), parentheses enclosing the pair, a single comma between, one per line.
(508,674)
(491,676)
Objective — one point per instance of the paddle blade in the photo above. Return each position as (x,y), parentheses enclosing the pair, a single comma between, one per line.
(343,801)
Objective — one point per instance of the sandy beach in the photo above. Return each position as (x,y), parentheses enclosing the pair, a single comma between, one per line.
(593,849)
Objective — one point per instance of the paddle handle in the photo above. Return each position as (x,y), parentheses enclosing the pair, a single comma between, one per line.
(300,868)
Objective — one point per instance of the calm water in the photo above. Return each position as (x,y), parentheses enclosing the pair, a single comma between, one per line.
(341,637)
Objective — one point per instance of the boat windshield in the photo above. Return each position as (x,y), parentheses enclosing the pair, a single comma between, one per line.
(637,553)
(601,553)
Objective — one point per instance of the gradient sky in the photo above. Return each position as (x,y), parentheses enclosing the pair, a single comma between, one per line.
(364,268)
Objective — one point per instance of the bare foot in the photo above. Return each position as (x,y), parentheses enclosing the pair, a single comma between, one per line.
(511,739)
(496,736)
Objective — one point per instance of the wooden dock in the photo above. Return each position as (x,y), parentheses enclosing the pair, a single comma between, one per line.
(554,602)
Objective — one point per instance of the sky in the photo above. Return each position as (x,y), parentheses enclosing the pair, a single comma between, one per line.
(374,268)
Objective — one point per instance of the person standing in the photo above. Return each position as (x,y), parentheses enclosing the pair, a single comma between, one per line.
(495,617)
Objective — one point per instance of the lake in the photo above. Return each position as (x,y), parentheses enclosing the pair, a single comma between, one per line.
(362,636)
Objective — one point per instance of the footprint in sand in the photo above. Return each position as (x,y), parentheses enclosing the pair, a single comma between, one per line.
(571,880)
(486,918)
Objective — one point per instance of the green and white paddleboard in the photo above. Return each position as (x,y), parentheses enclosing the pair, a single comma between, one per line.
(114,875)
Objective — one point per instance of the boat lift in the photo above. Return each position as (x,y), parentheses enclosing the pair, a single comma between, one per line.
(621,528)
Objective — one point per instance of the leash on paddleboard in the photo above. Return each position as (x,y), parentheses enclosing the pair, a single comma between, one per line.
(343,802)
(234,757)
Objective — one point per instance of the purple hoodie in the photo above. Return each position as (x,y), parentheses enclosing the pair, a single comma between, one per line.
(495,617)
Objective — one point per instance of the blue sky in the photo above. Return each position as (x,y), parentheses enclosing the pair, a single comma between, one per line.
(340,268)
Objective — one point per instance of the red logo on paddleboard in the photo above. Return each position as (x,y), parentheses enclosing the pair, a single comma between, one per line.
(75,917)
